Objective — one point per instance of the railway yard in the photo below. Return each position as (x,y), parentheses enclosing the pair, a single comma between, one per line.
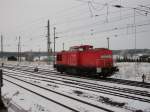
(74,56)
(47,90)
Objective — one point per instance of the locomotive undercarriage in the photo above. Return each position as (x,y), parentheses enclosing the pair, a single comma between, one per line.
(105,72)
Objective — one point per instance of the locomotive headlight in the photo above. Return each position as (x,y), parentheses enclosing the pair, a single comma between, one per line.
(98,70)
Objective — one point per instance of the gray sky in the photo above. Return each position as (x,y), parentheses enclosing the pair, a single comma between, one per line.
(76,23)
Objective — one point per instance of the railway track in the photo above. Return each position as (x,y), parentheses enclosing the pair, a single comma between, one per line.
(115,91)
(56,74)
(110,80)
(19,82)
(41,95)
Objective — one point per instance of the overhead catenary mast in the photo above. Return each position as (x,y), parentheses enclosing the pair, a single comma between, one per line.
(48,42)
(2,46)
(19,49)
(1,43)
(108,42)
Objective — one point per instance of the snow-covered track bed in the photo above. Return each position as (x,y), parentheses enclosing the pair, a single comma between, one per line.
(30,90)
(143,96)
(127,82)
(96,78)
(72,103)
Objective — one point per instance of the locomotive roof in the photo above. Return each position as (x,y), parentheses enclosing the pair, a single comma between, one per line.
(84,47)
(81,46)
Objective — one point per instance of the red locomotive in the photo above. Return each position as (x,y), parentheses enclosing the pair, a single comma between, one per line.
(86,60)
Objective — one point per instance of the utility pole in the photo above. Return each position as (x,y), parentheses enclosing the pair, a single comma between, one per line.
(19,50)
(145,12)
(1,43)
(2,46)
(39,54)
(63,44)
(134,29)
(54,45)
(108,42)
(54,41)
(48,41)
(107,13)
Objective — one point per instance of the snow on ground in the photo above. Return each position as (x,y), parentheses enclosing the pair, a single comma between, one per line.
(34,103)
(82,107)
(133,71)
(43,65)
(27,100)
(127,70)
(97,98)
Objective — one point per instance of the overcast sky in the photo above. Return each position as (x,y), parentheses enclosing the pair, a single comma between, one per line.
(77,22)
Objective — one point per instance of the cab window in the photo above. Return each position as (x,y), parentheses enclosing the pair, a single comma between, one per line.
(59,57)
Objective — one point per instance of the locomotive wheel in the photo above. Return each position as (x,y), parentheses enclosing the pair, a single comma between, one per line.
(59,69)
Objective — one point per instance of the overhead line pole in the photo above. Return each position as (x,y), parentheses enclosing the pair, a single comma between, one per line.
(108,42)
(63,44)
(107,12)
(134,29)
(1,43)
(54,44)
(19,50)
(48,41)
(2,46)
(146,12)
